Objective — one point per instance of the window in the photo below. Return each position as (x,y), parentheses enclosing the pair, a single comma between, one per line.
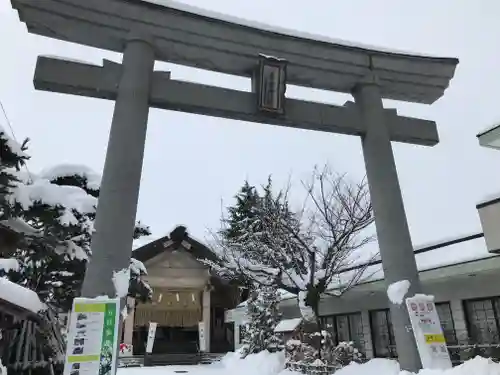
(483,324)
(446,319)
(384,344)
(348,327)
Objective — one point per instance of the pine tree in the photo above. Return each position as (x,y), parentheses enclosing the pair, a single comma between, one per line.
(12,159)
(58,207)
(242,214)
(264,316)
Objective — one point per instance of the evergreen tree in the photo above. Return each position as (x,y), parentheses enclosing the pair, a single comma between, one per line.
(242,214)
(57,210)
(264,316)
(12,159)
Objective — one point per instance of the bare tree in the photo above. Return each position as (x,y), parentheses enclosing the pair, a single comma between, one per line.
(304,252)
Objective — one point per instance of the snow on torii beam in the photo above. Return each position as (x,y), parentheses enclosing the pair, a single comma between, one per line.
(172,32)
(189,36)
(52,74)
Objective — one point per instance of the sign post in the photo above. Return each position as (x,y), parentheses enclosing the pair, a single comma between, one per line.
(201,336)
(92,337)
(151,337)
(431,343)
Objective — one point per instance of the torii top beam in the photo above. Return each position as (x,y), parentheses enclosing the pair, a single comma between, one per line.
(193,37)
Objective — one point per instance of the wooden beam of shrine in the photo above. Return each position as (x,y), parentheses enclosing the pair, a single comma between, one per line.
(77,78)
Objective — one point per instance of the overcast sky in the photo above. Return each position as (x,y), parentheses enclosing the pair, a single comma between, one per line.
(192,163)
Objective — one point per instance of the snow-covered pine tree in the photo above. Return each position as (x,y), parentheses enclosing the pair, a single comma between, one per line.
(12,158)
(263,317)
(58,207)
(241,215)
(84,178)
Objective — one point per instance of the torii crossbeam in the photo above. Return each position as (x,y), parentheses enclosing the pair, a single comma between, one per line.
(172,32)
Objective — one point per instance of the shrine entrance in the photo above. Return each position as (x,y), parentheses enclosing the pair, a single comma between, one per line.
(145,31)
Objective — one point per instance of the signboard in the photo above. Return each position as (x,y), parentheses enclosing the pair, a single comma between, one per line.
(428,333)
(92,337)
(201,335)
(151,337)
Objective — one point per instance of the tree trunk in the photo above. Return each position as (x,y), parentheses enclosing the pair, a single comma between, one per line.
(312,300)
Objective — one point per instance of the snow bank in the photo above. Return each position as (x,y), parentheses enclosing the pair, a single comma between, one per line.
(476,366)
(397,291)
(263,363)
(20,296)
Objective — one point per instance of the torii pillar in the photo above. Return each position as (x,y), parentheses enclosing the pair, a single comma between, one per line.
(121,179)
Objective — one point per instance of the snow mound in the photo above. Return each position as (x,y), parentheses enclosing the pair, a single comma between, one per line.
(397,291)
(476,366)
(263,363)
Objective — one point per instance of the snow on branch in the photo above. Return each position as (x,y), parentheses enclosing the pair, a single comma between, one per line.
(9,145)
(67,198)
(303,251)
(93,179)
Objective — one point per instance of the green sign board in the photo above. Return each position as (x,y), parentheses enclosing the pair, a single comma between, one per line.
(92,337)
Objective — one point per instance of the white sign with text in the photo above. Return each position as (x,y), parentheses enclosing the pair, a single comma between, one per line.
(201,334)
(151,337)
(428,333)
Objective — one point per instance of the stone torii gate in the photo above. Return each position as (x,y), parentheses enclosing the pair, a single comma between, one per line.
(144,32)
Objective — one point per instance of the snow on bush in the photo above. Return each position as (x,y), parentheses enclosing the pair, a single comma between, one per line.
(397,291)
(346,353)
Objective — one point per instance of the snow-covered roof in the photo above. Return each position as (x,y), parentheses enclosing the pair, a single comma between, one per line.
(270,28)
(20,296)
(232,45)
(288,325)
(488,199)
(449,255)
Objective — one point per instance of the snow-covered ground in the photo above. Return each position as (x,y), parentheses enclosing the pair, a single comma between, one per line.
(272,364)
